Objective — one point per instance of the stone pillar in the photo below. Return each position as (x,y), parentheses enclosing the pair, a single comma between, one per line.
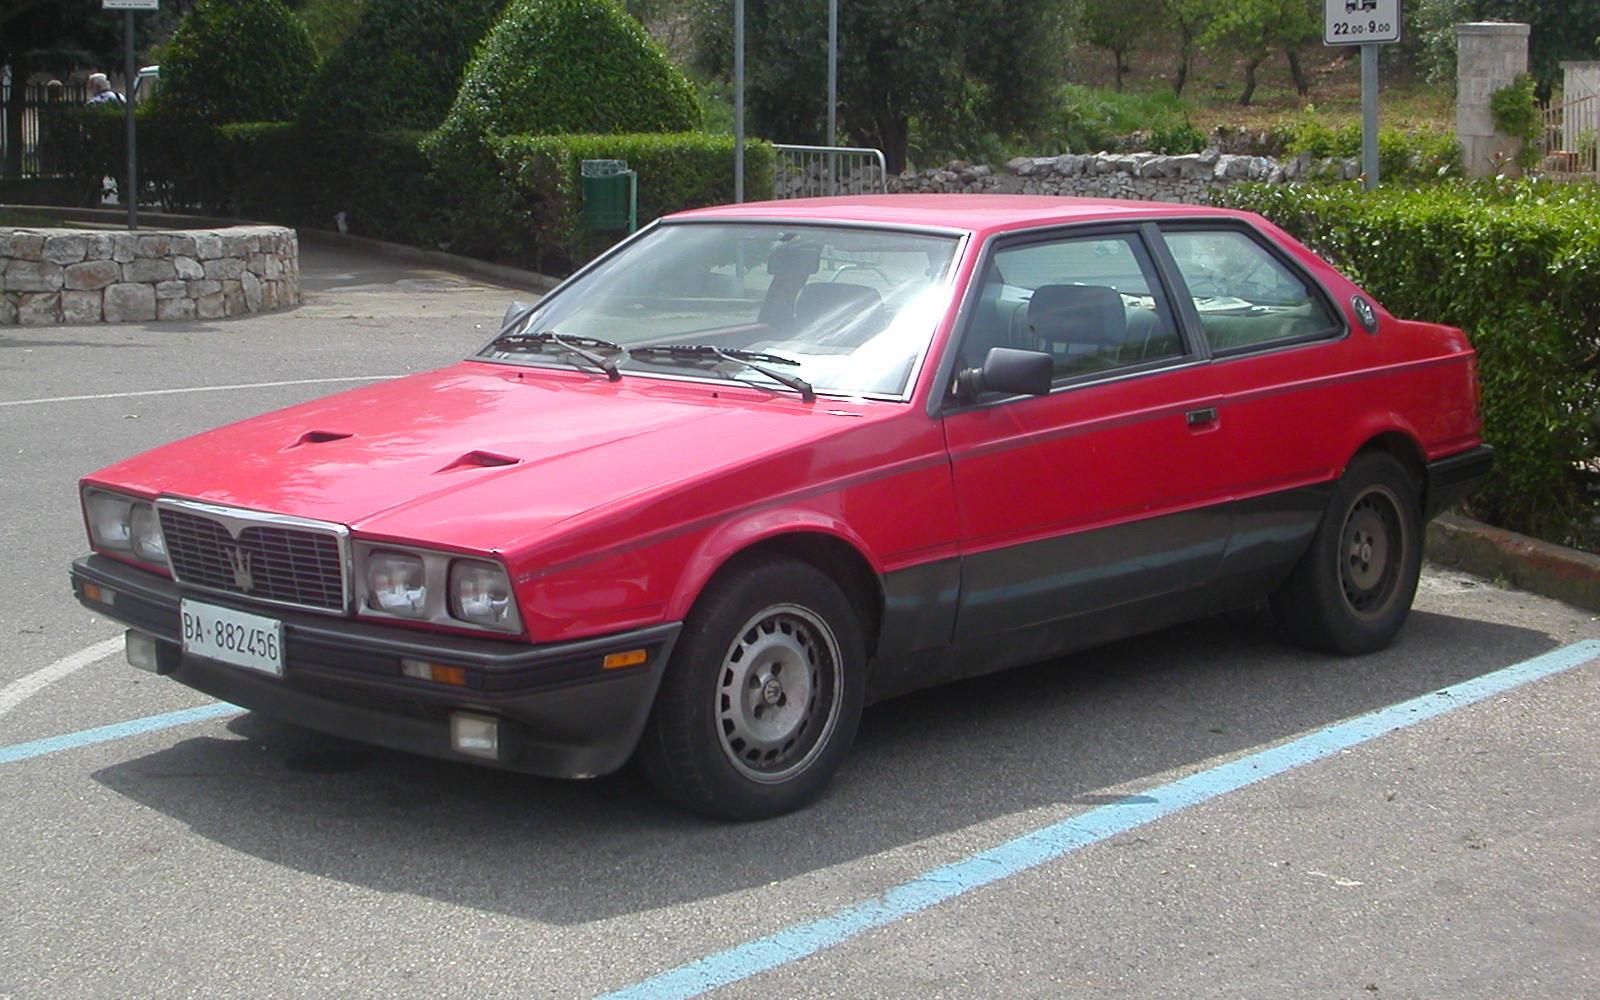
(1489,56)
(1580,94)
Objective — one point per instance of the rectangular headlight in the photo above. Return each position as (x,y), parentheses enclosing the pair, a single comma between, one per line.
(480,593)
(397,584)
(110,520)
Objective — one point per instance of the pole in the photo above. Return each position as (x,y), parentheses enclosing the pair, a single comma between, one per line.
(130,192)
(1369,115)
(833,91)
(738,100)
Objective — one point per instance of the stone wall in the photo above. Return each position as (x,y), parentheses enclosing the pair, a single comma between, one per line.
(1142,176)
(50,276)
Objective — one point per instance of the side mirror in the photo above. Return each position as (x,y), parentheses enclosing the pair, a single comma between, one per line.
(1008,370)
(516,312)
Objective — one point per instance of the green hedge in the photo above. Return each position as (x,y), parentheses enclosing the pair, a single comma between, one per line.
(676,171)
(1518,267)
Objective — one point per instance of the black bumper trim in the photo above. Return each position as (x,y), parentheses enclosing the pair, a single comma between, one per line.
(1454,478)
(567,715)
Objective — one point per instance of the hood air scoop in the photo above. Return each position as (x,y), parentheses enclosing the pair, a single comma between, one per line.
(479,460)
(319,437)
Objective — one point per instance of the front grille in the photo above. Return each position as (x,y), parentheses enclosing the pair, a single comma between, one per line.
(298,566)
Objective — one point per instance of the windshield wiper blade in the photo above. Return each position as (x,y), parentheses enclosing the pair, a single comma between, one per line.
(575,344)
(754,360)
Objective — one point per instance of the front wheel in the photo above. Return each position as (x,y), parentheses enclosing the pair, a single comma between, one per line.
(1352,590)
(762,695)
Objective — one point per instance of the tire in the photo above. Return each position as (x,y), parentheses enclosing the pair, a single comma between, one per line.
(732,735)
(1352,590)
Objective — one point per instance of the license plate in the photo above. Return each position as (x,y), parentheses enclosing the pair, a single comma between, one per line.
(244,640)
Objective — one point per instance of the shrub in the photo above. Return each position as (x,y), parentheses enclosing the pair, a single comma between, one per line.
(1518,268)
(401,66)
(236,61)
(676,171)
(1177,140)
(571,66)
(1515,113)
(1402,156)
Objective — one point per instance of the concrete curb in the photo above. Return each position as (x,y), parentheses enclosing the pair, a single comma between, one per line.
(1526,563)
(499,273)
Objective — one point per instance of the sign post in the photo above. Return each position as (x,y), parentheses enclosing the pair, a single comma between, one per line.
(1367,23)
(130,192)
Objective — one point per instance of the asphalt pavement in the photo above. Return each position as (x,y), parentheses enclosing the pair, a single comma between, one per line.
(1206,811)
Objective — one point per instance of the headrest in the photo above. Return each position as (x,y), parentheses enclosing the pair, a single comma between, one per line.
(794,260)
(838,302)
(1077,314)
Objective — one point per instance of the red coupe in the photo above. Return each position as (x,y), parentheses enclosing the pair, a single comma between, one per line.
(761,465)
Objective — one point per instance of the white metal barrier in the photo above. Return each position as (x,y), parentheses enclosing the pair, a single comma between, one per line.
(819,171)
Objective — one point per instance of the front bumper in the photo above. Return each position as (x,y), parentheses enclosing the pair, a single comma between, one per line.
(562,714)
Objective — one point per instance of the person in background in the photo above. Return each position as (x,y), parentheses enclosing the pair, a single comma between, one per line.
(100,91)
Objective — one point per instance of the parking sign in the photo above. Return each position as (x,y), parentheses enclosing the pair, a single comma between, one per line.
(1360,22)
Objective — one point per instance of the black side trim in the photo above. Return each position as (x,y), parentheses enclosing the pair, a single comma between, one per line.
(1454,478)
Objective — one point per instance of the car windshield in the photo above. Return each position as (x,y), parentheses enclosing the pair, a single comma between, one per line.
(847,311)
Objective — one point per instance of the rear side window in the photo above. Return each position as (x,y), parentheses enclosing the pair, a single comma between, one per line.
(1246,296)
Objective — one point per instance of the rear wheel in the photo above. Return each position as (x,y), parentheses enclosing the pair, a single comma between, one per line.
(762,696)
(1353,588)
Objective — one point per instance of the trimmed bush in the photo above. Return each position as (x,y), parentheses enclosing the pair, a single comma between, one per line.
(236,61)
(676,171)
(1518,267)
(400,68)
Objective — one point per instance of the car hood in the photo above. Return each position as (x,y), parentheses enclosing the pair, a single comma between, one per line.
(477,456)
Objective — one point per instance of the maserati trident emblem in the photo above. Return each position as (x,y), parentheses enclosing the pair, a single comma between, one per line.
(239,562)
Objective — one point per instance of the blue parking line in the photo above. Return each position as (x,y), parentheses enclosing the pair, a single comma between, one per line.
(1059,839)
(116,731)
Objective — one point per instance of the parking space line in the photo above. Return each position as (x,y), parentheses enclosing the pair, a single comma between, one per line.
(26,687)
(116,731)
(1059,839)
(196,388)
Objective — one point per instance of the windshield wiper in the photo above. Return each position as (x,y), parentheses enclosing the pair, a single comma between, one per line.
(574,344)
(754,360)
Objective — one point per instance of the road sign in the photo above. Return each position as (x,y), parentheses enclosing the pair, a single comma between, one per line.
(130,4)
(1360,22)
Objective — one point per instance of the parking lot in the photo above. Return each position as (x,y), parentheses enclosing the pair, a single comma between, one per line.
(1206,811)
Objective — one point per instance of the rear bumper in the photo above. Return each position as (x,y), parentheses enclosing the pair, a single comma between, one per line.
(562,714)
(1454,478)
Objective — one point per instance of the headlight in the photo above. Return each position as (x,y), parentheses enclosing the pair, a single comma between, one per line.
(397,584)
(110,521)
(145,529)
(480,593)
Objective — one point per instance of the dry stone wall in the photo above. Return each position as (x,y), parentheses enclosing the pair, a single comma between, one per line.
(50,276)
(1189,179)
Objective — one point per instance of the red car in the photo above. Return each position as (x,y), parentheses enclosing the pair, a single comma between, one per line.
(762,465)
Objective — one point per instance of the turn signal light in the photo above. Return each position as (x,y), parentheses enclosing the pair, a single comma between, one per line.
(422,670)
(632,658)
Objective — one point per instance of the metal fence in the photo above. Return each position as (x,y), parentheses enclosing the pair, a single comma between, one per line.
(30,144)
(818,171)
(1568,145)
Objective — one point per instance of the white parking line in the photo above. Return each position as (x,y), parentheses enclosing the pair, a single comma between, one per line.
(19,691)
(196,388)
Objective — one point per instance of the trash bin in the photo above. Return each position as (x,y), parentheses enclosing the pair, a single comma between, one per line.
(610,195)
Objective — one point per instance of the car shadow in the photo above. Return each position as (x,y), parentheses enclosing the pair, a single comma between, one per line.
(1053,735)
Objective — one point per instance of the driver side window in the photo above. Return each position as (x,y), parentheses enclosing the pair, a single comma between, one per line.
(1092,303)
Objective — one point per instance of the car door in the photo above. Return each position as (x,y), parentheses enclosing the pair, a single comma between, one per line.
(1088,508)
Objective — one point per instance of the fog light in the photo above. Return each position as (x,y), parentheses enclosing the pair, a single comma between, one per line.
(475,735)
(143,652)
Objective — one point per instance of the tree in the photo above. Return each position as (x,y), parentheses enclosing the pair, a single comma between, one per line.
(1188,19)
(1253,28)
(1111,25)
(237,61)
(934,62)
(1561,29)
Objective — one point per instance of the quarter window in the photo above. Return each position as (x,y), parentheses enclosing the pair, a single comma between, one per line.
(1246,297)
(1093,304)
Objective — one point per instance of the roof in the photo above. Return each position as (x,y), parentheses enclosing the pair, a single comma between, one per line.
(972,212)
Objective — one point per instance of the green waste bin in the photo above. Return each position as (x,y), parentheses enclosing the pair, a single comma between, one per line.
(610,195)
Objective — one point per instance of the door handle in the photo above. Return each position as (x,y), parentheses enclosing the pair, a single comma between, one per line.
(1196,418)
